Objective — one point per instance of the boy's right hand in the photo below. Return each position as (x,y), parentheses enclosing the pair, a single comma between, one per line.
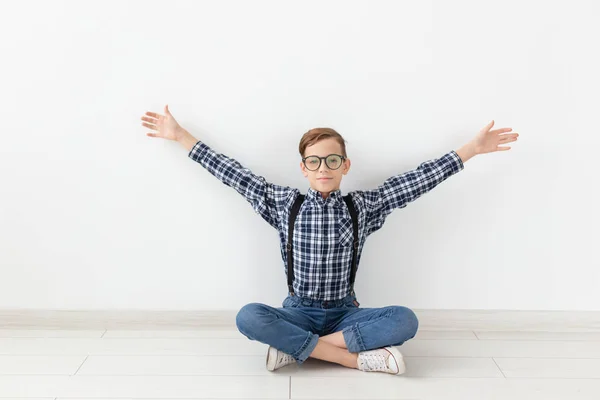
(166,125)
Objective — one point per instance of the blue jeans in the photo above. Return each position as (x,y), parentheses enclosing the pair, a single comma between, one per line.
(295,328)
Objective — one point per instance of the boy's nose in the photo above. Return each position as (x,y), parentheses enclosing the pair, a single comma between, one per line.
(323,166)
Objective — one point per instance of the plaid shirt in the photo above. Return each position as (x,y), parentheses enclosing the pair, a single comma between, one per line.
(322,242)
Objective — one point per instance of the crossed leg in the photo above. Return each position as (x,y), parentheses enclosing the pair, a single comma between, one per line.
(366,329)
(362,329)
(333,348)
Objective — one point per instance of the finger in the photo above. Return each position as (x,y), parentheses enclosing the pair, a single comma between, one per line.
(151,134)
(153,114)
(509,135)
(149,126)
(504,139)
(503,148)
(501,130)
(152,120)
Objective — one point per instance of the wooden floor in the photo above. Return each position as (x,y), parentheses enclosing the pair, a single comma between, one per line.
(221,363)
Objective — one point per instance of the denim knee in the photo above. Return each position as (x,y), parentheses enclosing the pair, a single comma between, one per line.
(248,319)
(407,323)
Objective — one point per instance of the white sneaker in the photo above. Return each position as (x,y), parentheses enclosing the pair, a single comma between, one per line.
(387,359)
(277,359)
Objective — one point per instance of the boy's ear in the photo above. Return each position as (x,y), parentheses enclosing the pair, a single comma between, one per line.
(304,171)
(347,164)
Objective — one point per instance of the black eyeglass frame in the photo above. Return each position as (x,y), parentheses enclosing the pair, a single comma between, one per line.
(321,161)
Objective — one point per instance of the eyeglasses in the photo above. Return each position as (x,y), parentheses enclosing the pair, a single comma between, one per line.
(333,161)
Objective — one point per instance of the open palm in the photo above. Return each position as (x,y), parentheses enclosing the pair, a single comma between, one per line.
(165,125)
(488,141)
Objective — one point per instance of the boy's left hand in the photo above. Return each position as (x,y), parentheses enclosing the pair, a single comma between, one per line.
(488,141)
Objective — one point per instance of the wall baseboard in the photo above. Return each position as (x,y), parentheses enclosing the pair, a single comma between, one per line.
(497,320)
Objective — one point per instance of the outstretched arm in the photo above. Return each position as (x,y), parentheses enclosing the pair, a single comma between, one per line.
(266,198)
(399,190)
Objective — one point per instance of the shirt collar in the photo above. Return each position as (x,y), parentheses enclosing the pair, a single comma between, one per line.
(334,197)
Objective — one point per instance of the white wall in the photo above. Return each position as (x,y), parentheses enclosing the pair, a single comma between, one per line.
(96,215)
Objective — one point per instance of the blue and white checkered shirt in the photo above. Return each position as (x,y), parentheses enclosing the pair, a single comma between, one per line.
(322,242)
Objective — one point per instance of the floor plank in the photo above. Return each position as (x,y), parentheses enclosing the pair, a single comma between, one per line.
(549,368)
(54,333)
(264,387)
(40,365)
(561,336)
(400,387)
(501,348)
(133,346)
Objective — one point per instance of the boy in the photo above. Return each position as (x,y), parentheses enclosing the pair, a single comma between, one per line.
(321,317)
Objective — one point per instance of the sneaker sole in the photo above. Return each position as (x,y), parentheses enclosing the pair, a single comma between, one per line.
(271,358)
(399,360)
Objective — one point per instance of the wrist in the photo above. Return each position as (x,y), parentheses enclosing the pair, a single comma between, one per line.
(468,151)
(180,134)
(476,148)
(186,140)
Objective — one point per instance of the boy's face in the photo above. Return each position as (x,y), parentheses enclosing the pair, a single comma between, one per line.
(323,179)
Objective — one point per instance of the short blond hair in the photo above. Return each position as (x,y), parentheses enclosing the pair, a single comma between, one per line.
(314,135)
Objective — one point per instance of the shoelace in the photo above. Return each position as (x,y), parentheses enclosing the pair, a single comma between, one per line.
(375,361)
(285,358)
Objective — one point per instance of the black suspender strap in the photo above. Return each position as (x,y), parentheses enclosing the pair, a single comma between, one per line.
(354,216)
(290,259)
